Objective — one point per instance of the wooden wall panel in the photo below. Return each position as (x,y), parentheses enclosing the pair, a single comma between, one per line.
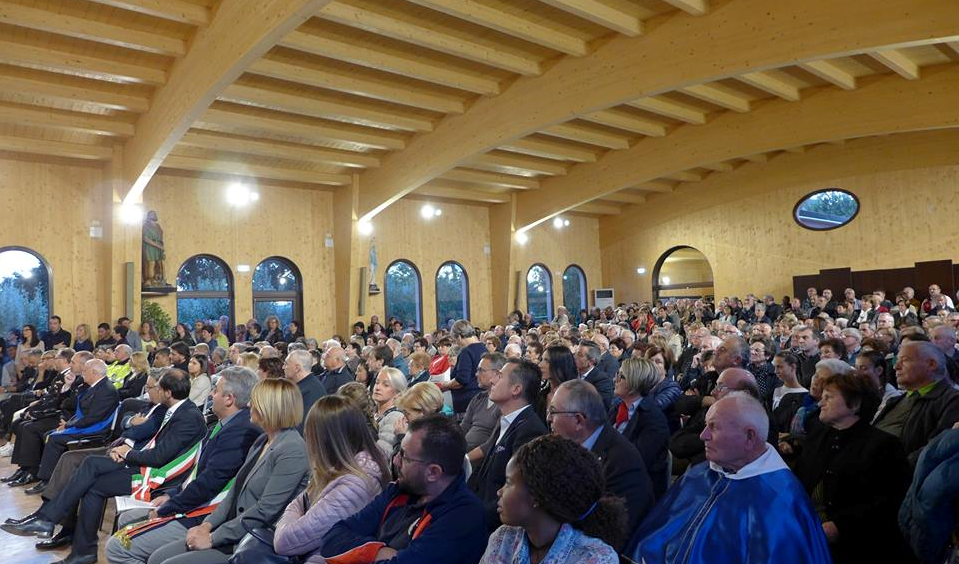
(753,244)
(48,206)
(557,249)
(934,272)
(288,222)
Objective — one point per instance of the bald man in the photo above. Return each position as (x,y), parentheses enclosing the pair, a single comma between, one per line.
(742,501)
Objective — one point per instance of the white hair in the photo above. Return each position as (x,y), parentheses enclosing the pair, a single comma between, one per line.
(749,412)
(834,366)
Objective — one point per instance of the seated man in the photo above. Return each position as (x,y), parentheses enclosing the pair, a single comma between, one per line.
(743,503)
(222,453)
(515,390)
(101,477)
(95,406)
(44,414)
(427,515)
(576,412)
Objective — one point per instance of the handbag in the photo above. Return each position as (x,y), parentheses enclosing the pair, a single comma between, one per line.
(256,547)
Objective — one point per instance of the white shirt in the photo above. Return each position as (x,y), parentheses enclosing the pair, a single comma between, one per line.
(781,392)
(507,420)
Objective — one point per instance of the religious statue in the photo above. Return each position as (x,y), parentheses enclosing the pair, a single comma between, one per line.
(373,288)
(153,253)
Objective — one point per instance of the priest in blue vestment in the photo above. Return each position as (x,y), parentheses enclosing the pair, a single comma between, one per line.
(742,506)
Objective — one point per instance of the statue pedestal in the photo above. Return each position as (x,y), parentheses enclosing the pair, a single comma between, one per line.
(374,289)
(157,290)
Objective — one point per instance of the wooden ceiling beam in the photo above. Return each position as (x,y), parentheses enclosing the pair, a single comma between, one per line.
(55,148)
(671,108)
(537,31)
(352,83)
(50,87)
(720,166)
(549,149)
(773,83)
(173,10)
(238,34)
(389,60)
(832,73)
(744,36)
(898,62)
(228,168)
(322,106)
(693,7)
(21,54)
(278,149)
(757,158)
(624,197)
(628,122)
(685,176)
(439,191)
(597,208)
(720,95)
(616,15)
(661,186)
(491,179)
(516,164)
(35,116)
(591,136)
(91,30)
(303,128)
(425,35)
(889,105)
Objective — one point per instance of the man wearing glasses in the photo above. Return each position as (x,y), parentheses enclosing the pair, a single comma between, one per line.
(482,414)
(427,515)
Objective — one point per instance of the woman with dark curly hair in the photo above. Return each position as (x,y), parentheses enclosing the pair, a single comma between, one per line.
(556,513)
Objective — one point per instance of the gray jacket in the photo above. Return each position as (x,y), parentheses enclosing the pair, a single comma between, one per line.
(271,481)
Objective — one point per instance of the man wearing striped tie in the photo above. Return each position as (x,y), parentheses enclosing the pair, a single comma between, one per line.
(102,477)
(221,454)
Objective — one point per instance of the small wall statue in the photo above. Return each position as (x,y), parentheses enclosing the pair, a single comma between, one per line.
(153,254)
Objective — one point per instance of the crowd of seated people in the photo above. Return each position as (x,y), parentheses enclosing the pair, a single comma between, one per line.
(815,430)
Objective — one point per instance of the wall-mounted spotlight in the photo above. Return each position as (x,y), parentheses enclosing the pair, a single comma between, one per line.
(641,270)
(239,195)
(131,214)
(364,227)
(521,237)
(428,211)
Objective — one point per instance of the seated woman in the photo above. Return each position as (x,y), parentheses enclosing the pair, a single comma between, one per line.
(390,383)
(761,351)
(855,474)
(806,420)
(788,398)
(200,383)
(636,415)
(871,364)
(275,470)
(557,366)
(418,401)
(666,391)
(556,513)
(347,471)
(419,368)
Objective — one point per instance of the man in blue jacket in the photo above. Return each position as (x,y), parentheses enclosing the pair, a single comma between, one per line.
(428,515)
(221,455)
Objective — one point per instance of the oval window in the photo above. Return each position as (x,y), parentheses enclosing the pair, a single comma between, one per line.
(826,209)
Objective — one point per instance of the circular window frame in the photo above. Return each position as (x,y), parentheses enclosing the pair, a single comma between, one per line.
(819,191)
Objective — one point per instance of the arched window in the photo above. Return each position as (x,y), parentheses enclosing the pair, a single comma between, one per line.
(277,290)
(204,290)
(25,282)
(452,294)
(539,293)
(402,289)
(574,292)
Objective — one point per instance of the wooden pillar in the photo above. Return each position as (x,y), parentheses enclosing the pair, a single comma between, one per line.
(346,265)
(123,241)
(502,219)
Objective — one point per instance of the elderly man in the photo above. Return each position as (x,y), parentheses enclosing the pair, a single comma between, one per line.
(586,358)
(930,404)
(296,369)
(576,412)
(944,337)
(335,372)
(743,505)
(852,340)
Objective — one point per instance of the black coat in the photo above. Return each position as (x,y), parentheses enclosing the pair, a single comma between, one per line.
(603,383)
(96,404)
(491,474)
(625,473)
(608,364)
(864,476)
(786,410)
(648,431)
(132,385)
(185,428)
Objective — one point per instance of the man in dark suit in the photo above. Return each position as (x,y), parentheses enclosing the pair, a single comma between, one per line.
(101,477)
(222,453)
(94,407)
(515,390)
(297,370)
(335,372)
(608,364)
(576,412)
(587,358)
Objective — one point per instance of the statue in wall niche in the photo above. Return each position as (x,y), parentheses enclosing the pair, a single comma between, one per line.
(153,253)
(373,288)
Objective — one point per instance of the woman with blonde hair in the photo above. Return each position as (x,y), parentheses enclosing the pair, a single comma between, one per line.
(250,360)
(347,471)
(81,338)
(359,394)
(390,383)
(139,370)
(276,469)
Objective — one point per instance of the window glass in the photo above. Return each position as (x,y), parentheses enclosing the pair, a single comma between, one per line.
(539,293)
(826,209)
(24,290)
(402,293)
(452,294)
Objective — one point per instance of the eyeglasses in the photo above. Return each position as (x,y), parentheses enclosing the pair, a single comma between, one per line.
(406,459)
(550,413)
(153,387)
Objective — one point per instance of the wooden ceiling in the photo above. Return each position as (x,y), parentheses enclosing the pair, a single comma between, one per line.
(559,105)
